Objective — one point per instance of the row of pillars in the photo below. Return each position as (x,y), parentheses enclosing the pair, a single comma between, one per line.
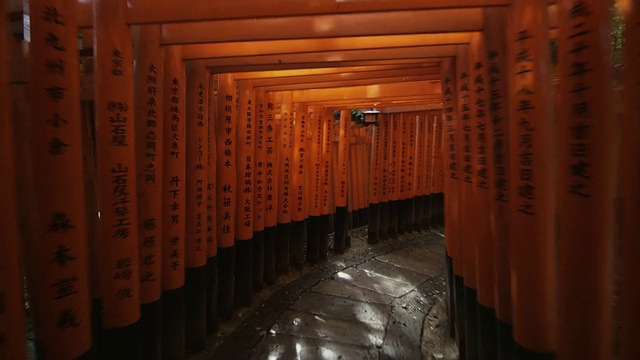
(542,185)
(153,200)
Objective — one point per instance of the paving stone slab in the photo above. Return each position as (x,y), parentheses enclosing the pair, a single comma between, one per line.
(327,328)
(373,281)
(415,261)
(375,315)
(350,291)
(287,348)
(393,272)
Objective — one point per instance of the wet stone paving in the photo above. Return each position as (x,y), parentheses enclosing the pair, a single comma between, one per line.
(385,301)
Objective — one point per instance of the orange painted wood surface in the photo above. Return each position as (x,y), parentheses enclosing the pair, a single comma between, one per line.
(226,160)
(245,161)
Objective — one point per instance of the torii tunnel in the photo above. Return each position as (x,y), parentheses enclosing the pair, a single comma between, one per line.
(165,162)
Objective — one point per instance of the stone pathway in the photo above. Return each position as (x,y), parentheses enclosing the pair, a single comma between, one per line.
(385,302)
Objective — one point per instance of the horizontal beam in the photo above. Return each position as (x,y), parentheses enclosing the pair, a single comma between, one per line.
(168,11)
(379,102)
(327,71)
(403,89)
(325,26)
(329,57)
(342,83)
(274,67)
(345,76)
(253,48)
(411,108)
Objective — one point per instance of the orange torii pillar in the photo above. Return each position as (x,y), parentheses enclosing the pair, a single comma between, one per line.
(226,191)
(196,274)
(436,189)
(385,128)
(412,124)
(500,184)
(12,315)
(481,128)
(325,220)
(428,190)
(212,237)
(392,175)
(420,204)
(314,183)
(374,187)
(467,216)
(352,197)
(173,205)
(259,177)
(285,161)
(118,236)
(401,166)
(270,190)
(149,75)
(342,177)
(587,169)
(452,202)
(629,314)
(298,209)
(244,188)
(532,195)
(55,248)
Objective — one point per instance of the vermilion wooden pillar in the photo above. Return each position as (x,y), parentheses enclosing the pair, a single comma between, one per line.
(438,174)
(374,187)
(342,187)
(149,113)
(327,175)
(118,236)
(298,180)
(244,187)
(452,200)
(314,182)
(482,180)
(468,219)
(428,170)
(392,176)
(587,167)
(421,206)
(401,177)
(12,315)
(500,185)
(532,195)
(384,128)
(629,313)
(212,229)
(197,110)
(285,159)
(260,154)
(412,122)
(271,190)
(174,155)
(225,129)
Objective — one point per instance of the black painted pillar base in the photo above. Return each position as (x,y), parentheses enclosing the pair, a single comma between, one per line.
(440,209)
(91,354)
(151,330)
(471,323)
(195,288)
(314,234)
(270,235)
(323,245)
(173,324)
(451,300)
(383,225)
(282,248)
(460,313)
(411,215)
(244,272)
(418,211)
(434,210)
(426,212)
(298,242)
(226,281)
(121,343)
(340,223)
(520,353)
(488,333)
(402,216)
(393,219)
(212,295)
(374,223)
(505,340)
(258,260)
